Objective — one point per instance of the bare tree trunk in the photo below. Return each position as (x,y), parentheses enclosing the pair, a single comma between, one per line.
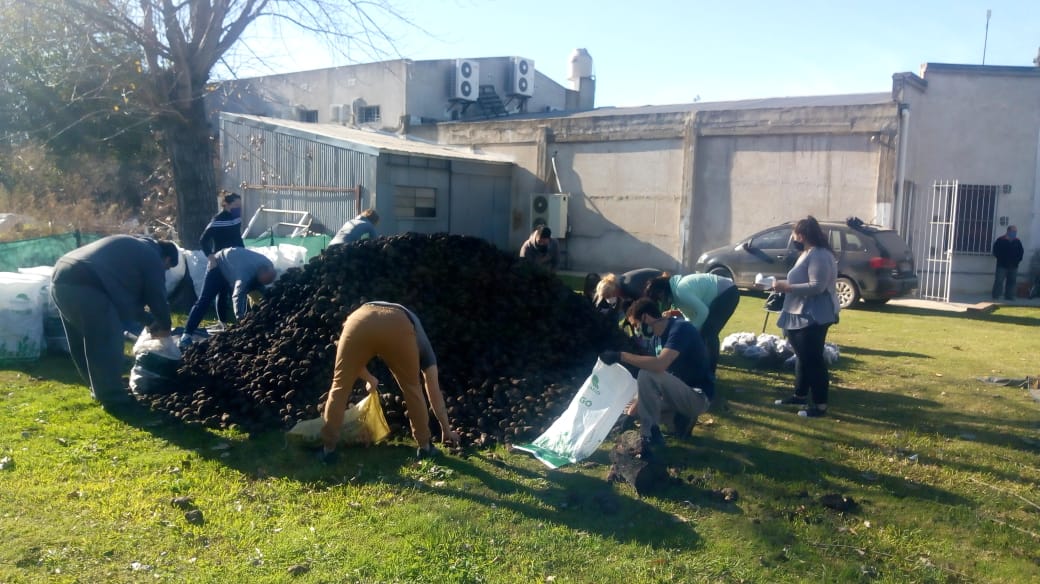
(190,145)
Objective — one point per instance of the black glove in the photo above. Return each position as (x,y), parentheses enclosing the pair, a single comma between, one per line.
(610,357)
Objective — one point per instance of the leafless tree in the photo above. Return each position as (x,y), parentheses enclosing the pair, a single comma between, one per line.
(181,41)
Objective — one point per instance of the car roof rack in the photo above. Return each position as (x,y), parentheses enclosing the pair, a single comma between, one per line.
(858,224)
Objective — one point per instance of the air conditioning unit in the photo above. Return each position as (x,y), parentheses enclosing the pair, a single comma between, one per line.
(550,210)
(523,77)
(466,80)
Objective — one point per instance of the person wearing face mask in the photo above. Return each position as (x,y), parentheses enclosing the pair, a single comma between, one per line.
(810,308)
(614,294)
(706,300)
(1008,251)
(675,384)
(541,249)
(222,232)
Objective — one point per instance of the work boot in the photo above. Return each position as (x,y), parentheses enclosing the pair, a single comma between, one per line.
(645,451)
(683,426)
(430,451)
(813,412)
(326,457)
(656,438)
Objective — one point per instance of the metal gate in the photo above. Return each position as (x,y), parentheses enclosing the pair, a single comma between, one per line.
(934,240)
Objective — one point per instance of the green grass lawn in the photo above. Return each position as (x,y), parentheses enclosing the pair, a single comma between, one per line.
(943,469)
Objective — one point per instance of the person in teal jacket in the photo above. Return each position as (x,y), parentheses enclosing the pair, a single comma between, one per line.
(706,300)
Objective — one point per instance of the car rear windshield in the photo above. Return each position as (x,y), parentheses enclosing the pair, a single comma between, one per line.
(891,242)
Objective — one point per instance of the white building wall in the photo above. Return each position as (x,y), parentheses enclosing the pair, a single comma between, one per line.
(753,182)
(656,189)
(978,125)
(625,203)
(421,90)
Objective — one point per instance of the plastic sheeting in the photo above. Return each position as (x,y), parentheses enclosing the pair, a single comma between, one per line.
(22,305)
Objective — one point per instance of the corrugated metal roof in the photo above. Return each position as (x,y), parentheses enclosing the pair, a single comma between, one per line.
(851,99)
(371,141)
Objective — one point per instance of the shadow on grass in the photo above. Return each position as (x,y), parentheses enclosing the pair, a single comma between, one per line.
(580,502)
(823,475)
(885,412)
(997,317)
(561,497)
(59,368)
(865,351)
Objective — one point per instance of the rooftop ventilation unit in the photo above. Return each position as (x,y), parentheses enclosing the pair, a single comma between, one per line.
(523,77)
(550,210)
(466,80)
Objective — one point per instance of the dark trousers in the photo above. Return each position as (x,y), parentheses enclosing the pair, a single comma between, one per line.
(96,343)
(225,309)
(810,370)
(1004,279)
(719,312)
(213,287)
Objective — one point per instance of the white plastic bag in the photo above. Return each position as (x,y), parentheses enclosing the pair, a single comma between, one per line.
(53,331)
(155,363)
(22,305)
(196,262)
(283,256)
(175,274)
(578,432)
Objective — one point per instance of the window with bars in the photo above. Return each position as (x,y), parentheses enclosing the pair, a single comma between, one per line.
(976,208)
(415,202)
(369,114)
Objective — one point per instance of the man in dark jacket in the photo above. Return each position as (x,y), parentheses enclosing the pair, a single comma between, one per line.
(222,232)
(541,249)
(100,286)
(1008,251)
(237,271)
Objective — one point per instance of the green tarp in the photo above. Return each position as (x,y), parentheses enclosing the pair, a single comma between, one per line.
(40,251)
(45,251)
(314,243)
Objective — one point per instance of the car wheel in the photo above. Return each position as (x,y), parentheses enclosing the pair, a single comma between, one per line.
(848,294)
(721,271)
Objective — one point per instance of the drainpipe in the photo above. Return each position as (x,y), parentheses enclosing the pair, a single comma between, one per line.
(904,137)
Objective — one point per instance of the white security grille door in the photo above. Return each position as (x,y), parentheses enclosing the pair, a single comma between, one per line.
(934,243)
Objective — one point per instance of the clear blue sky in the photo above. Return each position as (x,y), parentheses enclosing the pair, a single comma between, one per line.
(672,51)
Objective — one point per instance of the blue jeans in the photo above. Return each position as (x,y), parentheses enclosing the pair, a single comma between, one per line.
(213,287)
(1004,279)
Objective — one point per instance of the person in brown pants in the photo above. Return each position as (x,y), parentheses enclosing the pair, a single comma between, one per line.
(394,334)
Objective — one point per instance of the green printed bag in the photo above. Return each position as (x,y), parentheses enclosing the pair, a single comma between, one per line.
(579,431)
